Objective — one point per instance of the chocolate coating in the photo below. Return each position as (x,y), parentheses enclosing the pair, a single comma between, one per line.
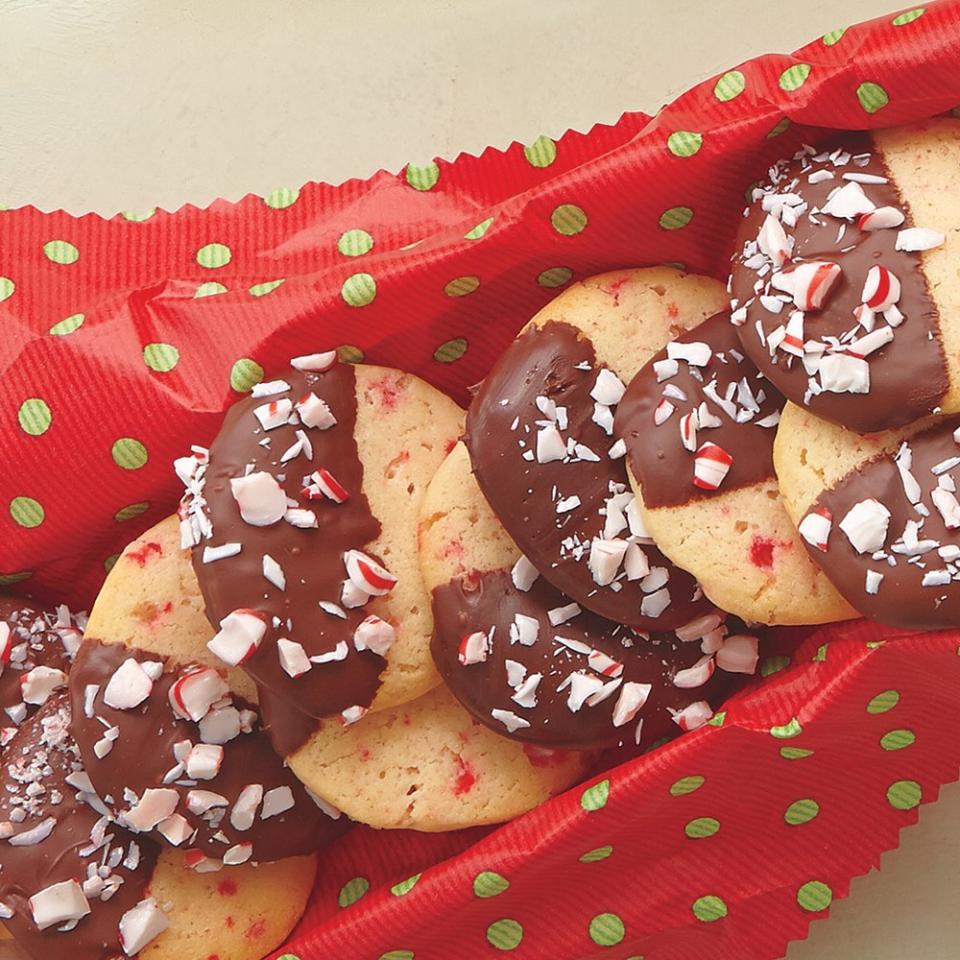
(480,601)
(311,559)
(287,727)
(908,377)
(658,459)
(42,752)
(143,754)
(556,362)
(901,599)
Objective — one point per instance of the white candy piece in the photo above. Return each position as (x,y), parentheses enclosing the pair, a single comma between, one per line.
(695,676)
(315,413)
(273,573)
(141,925)
(269,388)
(58,903)
(239,637)
(636,565)
(692,716)
(697,354)
(550,445)
(526,691)
(200,802)
(605,559)
(6,642)
(865,525)
(374,634)
(843,373)
(156,804)
(882,218)
(654,604)
(274,414)
(665,369)
(632,698)
(948,507)
(915,239)
(293,658)
(128,687)
(260,498)
(37,684)
(870,342)
(608,389)
(220,725)
(193,694)
(774,242)
(739,654)
(204,761)
(509,719)
(873,581)
(815,528)
(524,574)
(276,801)
(351,596)
(473,648)
(237,854)
(175,830)
(559,615)
(848,202)
(317,362)
(300,517)
(582,687)
(603,418)
(524,630)
(244,811)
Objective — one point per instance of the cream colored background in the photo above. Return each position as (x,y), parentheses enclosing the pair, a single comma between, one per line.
(124,104)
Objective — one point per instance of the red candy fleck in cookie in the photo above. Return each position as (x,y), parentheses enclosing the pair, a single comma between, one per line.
(761,552)
(466,778)
(142,554)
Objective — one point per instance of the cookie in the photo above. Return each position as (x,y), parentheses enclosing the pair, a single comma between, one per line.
(844,283)
(175,755)
(533,666)
(302,516)
(539,433)
(880,514)
(699,422)
(428,765)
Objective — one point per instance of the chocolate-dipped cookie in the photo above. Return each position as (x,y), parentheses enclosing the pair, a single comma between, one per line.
(843,287)
(699,422)
(540,436)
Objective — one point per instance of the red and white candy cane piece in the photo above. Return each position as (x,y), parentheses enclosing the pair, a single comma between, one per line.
(815,528)
(881,219)
(739,654)
(193,694)
(881,289)
(710,466)
(239,636)
(327,485)
(6,642)
(662,412)
(774,242)
(692,716)
(153,807)
(273,414)
(793,339)
(473,648)
(368,575)
(813,282)
(631,700)
(604,665)
(260,498)
(695,676)
(688,430)
(315,362)
(374,634)
(315,413)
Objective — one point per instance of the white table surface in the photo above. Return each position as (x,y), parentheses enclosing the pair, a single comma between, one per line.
(125,104)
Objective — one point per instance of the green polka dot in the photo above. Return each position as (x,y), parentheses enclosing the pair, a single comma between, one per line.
(8,579)
(684,143)
(352,891)
(161,357)
(687,785)
(7,286)
(833,37)
(904,795)
(701,828)
(607,930)
(34,416)
(675,218)
(138,216)
(349,354)
(262,289)
(110,562)
(541,153)
(729,86)
(795,753)
(359,289)
(883,702)
(489,884)
(214,255)
(898,740)
(461,286)
(450,351)
(394,955)
(281,198)
(781,127)
(709,909)
(718,719)
(908,17)
(594,856)
(595,797)
(787,730)
(209,289)
(821,655)
(801,811)
(422,178)
(61,251)
(131,511)
(505,934)
(568,219)
(68,325)
(772,665)
(288,956)
(815,896)
(355,243)
(873,644)
(479,230)
(128,453)
(793,78)
(405,886)
(26,511)
(245,374)
(554,277)
(872,97)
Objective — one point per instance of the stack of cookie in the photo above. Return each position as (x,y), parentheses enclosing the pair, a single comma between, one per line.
(368,608)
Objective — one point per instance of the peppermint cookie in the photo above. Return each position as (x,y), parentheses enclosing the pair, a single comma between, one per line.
(699,422)
(428,765)
(844,285)
(302,517)
(534,666)
(540,437)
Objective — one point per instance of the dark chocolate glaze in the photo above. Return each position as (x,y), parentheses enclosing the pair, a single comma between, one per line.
(659,461)
(908,377)
(43,752)
(312,559)
(143,754)
(479,601)
(544,361)
(901,599)
(287,727)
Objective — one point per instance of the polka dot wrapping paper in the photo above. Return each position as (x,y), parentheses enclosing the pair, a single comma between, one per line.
(124,340)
